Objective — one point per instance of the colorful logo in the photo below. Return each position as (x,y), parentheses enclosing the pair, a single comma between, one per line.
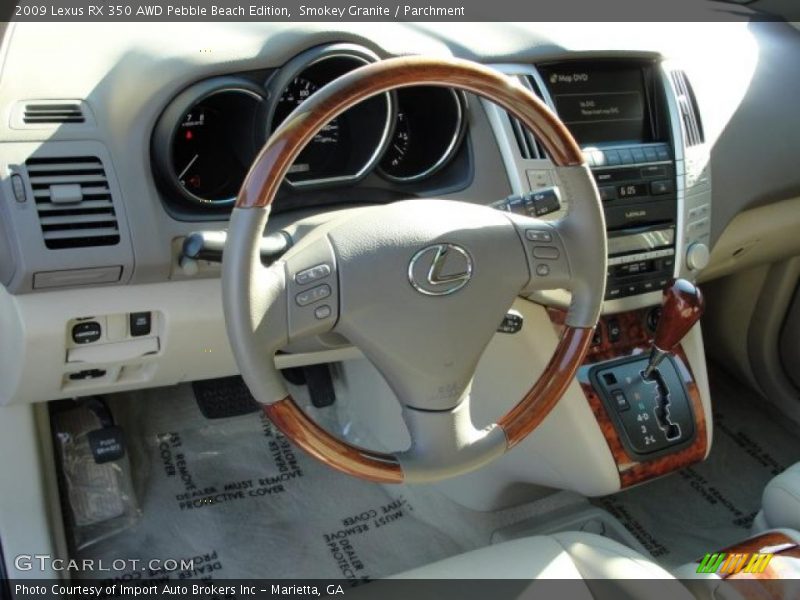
(730,564)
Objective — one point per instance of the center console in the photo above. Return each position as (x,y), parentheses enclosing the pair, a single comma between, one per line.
(637,122)
(651,428)
(617,112)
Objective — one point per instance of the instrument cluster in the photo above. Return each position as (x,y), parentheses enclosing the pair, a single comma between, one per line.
(208,136)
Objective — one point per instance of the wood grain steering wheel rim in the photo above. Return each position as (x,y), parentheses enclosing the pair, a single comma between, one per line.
(273,163)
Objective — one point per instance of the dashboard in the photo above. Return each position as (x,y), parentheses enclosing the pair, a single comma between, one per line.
(107,168)
(208,136)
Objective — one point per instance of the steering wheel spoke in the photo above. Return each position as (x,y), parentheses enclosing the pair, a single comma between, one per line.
(445,443)
(312,289)
(546,254)
(583,234)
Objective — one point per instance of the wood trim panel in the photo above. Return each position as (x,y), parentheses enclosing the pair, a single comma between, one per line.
(295,425)
(632,471)
(775,542)
(280,151)
(634,338)
(785,563)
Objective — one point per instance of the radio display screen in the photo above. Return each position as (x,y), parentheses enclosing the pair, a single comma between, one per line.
(600,102)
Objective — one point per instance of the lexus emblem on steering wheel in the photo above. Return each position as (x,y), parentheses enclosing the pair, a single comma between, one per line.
(440,269)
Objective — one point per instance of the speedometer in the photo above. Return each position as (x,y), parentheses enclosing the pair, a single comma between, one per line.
(320,150)
(347,147)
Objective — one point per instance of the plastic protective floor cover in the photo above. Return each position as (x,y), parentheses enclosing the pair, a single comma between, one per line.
(234,496)
(238,499)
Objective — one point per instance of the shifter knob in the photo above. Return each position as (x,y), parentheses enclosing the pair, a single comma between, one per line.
(681,307)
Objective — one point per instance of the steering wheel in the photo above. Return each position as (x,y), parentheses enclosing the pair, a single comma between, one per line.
(420,286)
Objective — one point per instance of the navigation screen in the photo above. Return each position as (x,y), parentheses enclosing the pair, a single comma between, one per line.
(600,103)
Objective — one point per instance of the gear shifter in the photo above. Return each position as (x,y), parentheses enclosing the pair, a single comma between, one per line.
(681,307)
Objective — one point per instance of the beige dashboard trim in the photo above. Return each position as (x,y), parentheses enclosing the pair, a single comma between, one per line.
(755,237)
(193,343)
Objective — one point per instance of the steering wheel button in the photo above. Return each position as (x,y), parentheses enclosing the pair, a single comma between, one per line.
(322,312)
(546,252)
(313,295)
(542,270)
(535,235)
(312,274)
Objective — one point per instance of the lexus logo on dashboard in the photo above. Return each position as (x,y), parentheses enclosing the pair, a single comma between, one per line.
(440,269)
(633,214)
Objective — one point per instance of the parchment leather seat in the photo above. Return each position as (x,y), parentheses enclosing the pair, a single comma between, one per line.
(780,502)
(598,567)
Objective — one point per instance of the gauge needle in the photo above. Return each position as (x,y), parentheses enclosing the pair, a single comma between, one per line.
(191,162)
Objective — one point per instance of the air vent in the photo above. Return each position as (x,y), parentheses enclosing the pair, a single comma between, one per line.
(529,147)
(74,202)
(687,104)
(52,113)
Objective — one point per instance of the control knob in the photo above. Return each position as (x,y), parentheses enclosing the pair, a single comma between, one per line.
(697,256)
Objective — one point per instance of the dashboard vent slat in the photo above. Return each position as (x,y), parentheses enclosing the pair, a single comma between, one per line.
(529,146)
(687,104)
(101,232)
(89,219)
(66,177)
(87,222)
(59,168)
(45,207)
(53,113)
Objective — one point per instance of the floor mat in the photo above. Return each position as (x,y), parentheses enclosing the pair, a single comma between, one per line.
(238,499)
(712,504)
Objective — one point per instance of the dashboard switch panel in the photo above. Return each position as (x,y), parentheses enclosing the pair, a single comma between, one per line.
(86,332)
(140,324)
(512,322)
